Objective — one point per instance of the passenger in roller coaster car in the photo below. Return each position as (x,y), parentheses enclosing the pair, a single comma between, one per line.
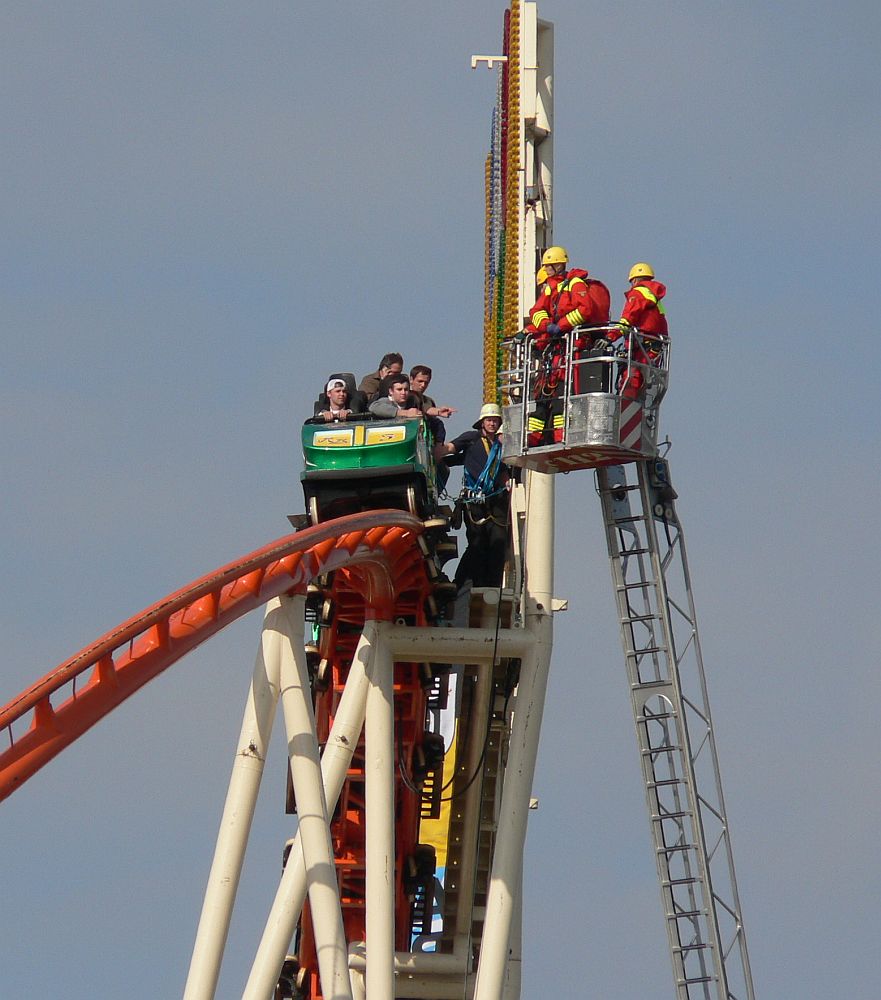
(644,310)
(397,402)
(341,401)
(391,364)
(485,500)
(420,378)
(568,298)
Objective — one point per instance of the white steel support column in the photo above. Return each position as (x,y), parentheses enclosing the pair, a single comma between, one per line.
(471,809)
(342,741)
(513,974)
(500,942)
(523,747)
(379,784)
(312,826)
(238,812)
(537,141)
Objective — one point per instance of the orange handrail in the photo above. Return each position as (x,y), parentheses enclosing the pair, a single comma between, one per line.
(382,544)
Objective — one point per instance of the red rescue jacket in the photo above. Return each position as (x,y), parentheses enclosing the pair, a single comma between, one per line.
(569,300)
(644,309)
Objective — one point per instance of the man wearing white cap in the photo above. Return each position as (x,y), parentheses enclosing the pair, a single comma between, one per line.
(339,406)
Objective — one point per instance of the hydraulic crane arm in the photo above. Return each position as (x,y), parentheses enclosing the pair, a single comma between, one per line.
(674,730)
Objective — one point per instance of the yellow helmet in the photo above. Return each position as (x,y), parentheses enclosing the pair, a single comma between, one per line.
(555,255)
(641,270)
(541,276)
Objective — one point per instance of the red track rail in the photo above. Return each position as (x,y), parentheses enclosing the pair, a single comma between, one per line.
(379,547)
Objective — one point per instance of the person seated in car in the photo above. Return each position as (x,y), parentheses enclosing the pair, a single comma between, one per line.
(420,378)
(391,364)
(341,402)
(397,401)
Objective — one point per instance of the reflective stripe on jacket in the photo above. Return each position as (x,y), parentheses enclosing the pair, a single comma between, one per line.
(644,309)
(570,300)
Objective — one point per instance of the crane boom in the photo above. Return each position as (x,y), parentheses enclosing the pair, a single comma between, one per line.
(677,746)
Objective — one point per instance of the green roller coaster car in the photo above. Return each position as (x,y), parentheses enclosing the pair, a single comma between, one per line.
(368,464)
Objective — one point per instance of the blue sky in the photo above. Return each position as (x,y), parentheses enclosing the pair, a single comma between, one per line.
(206,208)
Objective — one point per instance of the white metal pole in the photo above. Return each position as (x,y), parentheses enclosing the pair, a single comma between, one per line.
(511,989)
(359,988)
(543,141)
(238,813)
(523,745)
(471,808)
(380,807)
(503,905)
(342,741)
(312,825)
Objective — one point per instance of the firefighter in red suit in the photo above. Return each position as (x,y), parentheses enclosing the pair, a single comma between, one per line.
(644,310)
(568,298)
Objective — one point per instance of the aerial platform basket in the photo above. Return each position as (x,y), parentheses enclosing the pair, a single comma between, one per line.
(608,396)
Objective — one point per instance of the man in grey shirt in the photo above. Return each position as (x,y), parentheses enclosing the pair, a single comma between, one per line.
(396,403)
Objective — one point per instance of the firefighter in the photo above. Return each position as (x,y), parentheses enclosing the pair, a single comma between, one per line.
(644,310)
(568,299)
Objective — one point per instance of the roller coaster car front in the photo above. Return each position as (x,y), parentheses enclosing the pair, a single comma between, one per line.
(369,464)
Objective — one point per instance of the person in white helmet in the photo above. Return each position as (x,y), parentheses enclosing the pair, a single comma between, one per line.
(485,499)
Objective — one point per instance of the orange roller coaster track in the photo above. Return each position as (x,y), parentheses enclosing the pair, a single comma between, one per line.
(379,549)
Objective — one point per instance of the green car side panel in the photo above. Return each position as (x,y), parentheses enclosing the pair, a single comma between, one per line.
(346,453)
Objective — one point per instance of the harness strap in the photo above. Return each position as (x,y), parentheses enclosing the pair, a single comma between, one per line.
(485,482)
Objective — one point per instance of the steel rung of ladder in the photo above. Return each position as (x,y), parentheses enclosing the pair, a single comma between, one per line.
(674,730)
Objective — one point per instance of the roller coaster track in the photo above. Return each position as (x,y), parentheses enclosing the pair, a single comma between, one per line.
(378,552)
(380,567)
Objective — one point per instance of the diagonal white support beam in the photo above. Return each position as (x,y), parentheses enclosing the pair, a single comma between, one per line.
(312,826)
(238,813)
(288,904)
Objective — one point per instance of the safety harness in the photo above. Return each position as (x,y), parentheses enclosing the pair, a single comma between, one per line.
(478,490)
(482,487)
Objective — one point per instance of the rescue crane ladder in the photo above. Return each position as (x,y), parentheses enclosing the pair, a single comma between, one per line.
(674,730)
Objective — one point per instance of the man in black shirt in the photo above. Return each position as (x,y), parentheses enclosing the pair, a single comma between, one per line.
(486,499)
